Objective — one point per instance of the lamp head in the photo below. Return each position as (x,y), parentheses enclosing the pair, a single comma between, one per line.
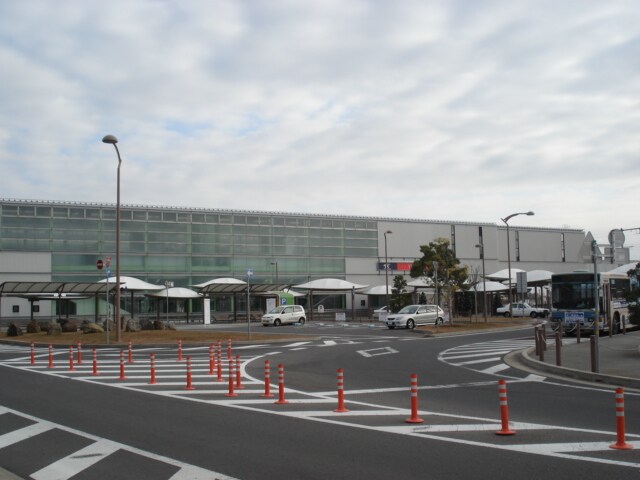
(110,139)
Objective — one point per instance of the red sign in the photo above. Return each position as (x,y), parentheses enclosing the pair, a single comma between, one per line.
(99,264)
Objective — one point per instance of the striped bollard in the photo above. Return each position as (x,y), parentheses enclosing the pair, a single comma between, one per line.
(94,370)
(33,354)
(219,366)
(122,376)
(231,392)
(620,444)
(414,418)
(79,353)
(129,353)
(212,360)
(152,369)
(267,380)
(229,354)
(50,357)
(71,367)
(504,409)
(341,408)
(179,350)
(238,374)
(281,400)
(189,385)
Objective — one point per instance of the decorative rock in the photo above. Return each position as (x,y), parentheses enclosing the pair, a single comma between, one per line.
(44,326)
(159,325)
(170,326)
(89,327)
(54,329)
(147,325)
(133,325)
(33,327)
(13,330)
(70,327)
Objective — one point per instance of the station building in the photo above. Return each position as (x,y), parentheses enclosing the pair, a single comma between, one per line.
(62,241)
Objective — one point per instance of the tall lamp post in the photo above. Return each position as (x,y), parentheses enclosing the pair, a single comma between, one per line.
(113,141)
(484,281)
(506,222)
(386,270)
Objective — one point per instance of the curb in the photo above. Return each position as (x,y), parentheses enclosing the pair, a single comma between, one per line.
(527,359)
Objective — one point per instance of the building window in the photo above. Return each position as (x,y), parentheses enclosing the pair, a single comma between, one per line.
(16,308)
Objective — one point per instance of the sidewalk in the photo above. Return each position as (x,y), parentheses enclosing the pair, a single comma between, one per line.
(619,359)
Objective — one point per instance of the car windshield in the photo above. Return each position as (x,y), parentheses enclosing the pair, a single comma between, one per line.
(277,310)
(409,309)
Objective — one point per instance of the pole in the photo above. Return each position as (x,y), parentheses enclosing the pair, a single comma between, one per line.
(386,270)
(117,306)
(509,267)
(596,304)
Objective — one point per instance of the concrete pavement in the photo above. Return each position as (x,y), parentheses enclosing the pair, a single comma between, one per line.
(619,359)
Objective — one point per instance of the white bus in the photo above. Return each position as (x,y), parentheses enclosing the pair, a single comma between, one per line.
(572,301)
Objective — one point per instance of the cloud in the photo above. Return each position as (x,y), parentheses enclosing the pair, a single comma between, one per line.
(458,110)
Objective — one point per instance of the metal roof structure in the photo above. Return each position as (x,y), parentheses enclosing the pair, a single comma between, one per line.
(19,289)
(220,288)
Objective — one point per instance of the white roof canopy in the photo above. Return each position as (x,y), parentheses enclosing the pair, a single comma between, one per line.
(134,284)
(175,292)
(330,284)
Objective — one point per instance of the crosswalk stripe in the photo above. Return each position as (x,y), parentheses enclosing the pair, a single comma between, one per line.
(23,434)
(75,463)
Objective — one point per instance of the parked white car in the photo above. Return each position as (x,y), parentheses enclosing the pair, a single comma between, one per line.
(523,310)
(285,314)
(413,315)
(380,313)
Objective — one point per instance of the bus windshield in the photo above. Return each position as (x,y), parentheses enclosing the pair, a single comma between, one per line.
(572,295)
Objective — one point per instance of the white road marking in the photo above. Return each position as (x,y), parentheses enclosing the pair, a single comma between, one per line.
(376,352)
(75,463)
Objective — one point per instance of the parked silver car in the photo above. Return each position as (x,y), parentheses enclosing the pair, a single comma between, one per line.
(285,314)
(413,315)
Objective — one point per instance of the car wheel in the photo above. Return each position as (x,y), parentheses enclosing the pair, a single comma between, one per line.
(277,322)
(301,321)
(411,324)
(507,314)
(534,314)
(439,321)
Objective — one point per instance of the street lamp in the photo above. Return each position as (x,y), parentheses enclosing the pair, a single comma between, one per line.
(275,262)
(113,141)
(484,281)
(386,270)
(506,222)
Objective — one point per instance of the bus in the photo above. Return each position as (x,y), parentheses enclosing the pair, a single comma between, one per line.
(572,301)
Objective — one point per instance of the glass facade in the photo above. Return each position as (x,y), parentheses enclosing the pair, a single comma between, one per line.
(190,246)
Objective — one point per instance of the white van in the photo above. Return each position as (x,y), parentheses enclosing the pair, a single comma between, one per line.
(285,314)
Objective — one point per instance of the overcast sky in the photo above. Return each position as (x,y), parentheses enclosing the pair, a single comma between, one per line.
(446,110)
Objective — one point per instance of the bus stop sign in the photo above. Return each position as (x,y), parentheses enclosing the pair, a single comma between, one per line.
(99,264)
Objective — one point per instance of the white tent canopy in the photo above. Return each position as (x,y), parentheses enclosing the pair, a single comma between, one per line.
(329,284)
(132,283)
(624,268)
(175,292)
(377,290)
(491,286)
(504,274)
(221,281)
(539,276)
(421,282)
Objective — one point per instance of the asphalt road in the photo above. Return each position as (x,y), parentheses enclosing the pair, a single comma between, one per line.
(58,423)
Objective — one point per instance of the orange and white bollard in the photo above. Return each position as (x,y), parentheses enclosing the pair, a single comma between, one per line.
(71,367)
(229,353)
(50,357)
(33,354)
(219,366)
(504,409)
(189,383)
(94,370)
(341,408)
(238,374)
(620,444)
(212,360)
(267,380)
(152,369)
(122,376)
(414,418)
(79,353)
(281,400)
(130,353)
(179,350)
(231,392)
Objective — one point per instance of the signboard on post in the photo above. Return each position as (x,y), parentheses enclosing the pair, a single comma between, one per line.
(99,264)
(521,282)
